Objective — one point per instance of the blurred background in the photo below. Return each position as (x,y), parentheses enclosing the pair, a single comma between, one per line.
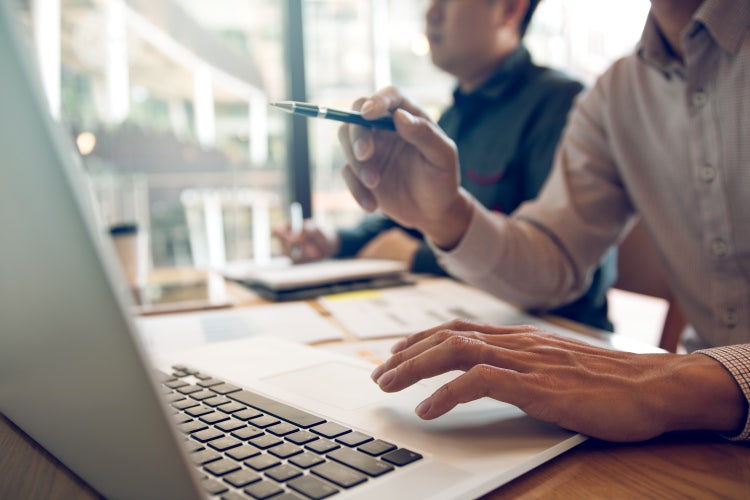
(166,101)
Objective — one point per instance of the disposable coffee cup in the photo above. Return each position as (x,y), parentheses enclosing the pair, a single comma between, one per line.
(130,245)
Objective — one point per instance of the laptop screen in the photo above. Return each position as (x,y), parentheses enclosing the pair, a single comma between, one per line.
(71,374)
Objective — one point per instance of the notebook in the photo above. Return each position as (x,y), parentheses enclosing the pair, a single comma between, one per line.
(286,281)
(76,379)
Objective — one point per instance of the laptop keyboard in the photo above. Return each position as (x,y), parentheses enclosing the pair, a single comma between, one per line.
(250,446)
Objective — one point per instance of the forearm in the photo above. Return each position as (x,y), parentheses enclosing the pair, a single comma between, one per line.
(513,260)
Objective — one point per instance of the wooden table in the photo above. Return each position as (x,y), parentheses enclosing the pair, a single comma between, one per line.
(680,465)
(677,465)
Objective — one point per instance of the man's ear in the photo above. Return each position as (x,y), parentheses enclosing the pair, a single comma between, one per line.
(511,13)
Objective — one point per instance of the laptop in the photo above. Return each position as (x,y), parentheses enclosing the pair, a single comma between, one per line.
(286,281)
(75,377)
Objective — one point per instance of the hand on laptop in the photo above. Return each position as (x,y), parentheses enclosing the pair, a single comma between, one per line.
(412,176)
(607,394)
(308,245)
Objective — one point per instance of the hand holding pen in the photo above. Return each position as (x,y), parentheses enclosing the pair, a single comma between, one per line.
(411,176)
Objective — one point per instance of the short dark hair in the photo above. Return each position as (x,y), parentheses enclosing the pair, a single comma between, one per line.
(527,18)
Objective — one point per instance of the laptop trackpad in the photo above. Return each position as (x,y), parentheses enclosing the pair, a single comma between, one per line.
(334,383)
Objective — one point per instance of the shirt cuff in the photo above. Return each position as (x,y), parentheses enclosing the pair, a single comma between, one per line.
(476,245)
(736,359)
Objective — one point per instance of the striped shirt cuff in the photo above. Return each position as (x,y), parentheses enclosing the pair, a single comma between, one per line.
(736,359)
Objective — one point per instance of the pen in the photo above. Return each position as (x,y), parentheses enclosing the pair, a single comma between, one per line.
(305,109)
(295,218)
(296,222)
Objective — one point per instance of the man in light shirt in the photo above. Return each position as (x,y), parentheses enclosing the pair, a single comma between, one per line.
(662,137)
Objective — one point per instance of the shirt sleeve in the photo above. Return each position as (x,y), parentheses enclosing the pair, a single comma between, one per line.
(736,359)
(545,255)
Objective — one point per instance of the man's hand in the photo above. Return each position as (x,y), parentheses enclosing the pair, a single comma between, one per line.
(411,175)
(607,394)
(309,245)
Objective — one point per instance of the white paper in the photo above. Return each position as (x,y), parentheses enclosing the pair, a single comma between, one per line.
(409,309)
(402,311)
(296,321)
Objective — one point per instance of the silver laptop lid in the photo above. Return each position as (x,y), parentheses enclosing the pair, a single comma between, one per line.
(72,376)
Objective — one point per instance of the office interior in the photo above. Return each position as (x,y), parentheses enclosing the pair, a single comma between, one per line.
(167,103)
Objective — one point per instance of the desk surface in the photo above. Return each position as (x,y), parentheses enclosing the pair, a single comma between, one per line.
(688,464)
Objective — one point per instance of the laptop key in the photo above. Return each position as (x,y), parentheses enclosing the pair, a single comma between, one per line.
(247,414)
(339,474)
(190,427)
(175,383)
(243,452)
(312,487)
(225,388)
(282,429)
(213,487)
(242,478)
(184,404)
(277,409)
(265,441)
(263,489)
(354,438)
(264,421)
(207,435)
(189,389)
(288,496)
(197,411)
(306,460)
(224,443)
(202,395)
(361,462)
(322,446)
(172,397)
(233,495)
(248,432)
(285,450)
(262,462)
(301,437)
(401,457)
(210,382)
(230,425)
(283,473)
(216,401)
(377,447)
(221,467)
(215,417)
(330,430)
(192,446)
(203,457)
(232,408)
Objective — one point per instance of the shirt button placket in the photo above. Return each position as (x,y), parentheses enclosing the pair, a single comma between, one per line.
(719,248)
(707,174)
(699,98)
(729,318)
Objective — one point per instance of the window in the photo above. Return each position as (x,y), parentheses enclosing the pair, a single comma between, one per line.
(167,101)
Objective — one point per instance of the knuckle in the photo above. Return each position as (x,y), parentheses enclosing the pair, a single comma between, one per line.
(484,374)
(461,324)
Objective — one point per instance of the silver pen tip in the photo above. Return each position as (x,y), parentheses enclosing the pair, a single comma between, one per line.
(287,106)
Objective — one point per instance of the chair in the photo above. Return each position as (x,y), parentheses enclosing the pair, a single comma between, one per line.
(640,270)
